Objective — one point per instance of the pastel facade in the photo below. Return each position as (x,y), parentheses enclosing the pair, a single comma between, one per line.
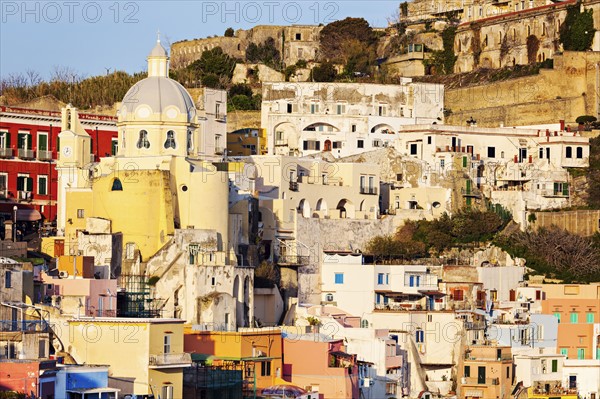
(344,118)
(146,356)
(258,351)
(142,205)
(485,372)
(35,377)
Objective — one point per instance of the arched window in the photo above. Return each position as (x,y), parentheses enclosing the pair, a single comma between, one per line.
(170,141)
(190,141)
(143,140)
(116,185)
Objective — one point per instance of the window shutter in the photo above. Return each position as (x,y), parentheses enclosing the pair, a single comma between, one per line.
(7,139)
(29,184)
(28,138)
(556,188)
(565,188)
(305,145)
(318,145)
(20,183)
(57,144)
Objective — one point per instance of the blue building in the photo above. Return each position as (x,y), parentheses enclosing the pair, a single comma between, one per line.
(84,382)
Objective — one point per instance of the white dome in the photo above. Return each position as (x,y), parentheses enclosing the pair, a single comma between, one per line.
(159,94)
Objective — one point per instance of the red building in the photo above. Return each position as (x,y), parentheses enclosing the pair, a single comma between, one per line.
(28,152)
(36,378)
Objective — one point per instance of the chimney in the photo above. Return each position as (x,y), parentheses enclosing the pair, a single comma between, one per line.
(562,124)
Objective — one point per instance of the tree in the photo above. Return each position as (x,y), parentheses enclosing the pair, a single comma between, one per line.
(266,53)
(351,42)
(241,103)
(577,31)
(325,72)
(241,89)
(229,32)
(214,67)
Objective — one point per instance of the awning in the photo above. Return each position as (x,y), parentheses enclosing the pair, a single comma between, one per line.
(432,292)
(93,390)
(28,215)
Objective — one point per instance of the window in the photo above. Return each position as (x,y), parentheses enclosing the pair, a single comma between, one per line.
(3,185)
(167,392)
(218,111)
(580,353)
(167,344)
(458,295)
(387,278)
(193,250)
(7,279)
(170,141)
(419,336)
(311,145)
(508,372)
(429,139)
(589,317)
(413,149)
(442,163)
(557,315)
(339,278)
(289,108)
(353,128)
(541,153)
(114,147)
(24,183)
(265,369)
(337,144)
(376,143)
(42,141)
(80,213)
(43,185)
(298,36)
(554,365)
(380,275)
(564,351)
(491,152)
(467,372)
(4,140)
(382,110)
(579,152)
(143,140)
(116,185)
(341,109)
(24,141)
(314,108)
(574,317)
(130,250)
(190,140)
(360,144)
(568,152)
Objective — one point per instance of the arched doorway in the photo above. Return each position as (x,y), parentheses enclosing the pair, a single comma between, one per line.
(322,208)
(346,208)
(304,208)
(327,145)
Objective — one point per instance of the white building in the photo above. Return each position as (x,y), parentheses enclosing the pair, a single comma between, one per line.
(344,118)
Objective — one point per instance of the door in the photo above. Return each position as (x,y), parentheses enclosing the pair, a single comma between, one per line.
(59,248)
(327,146)
(481,375)
(522,154)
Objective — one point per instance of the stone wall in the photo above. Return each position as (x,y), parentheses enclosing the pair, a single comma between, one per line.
(581,222)
(565,92)
(243,119)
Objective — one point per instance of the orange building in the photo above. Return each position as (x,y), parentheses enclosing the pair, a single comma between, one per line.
(577,308)
(486,372)
(320,364)
(257,352)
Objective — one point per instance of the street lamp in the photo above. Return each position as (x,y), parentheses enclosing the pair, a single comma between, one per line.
(14,230)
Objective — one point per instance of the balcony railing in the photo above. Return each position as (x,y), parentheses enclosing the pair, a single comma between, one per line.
(219,151)
(368,190)
(170,360)
(6,152)
(553,193)
(24,325)
(281,143)
(26,154)
(293,186)
(43,155)
(479,381)
(292,260)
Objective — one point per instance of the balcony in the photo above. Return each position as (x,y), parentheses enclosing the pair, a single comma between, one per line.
(281,143)
(219,151)
(26,154)
(293,186)
(167,360)
(24,325)
(44,155)
(6,152)
(368,190)
(292,260)
(25,195)
(479,381)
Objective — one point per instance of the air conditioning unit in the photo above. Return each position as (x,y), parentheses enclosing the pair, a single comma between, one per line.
(63,274)
(329,297)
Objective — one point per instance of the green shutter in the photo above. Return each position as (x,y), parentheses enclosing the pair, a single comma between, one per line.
(20,180)
(554,365)
(556,188)
(565,187)
(29,184)
(468,187)
(7,139)
(42,144)
(464,162)
(29,141)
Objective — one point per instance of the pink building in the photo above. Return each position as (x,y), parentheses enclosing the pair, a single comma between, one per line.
(318,363)
(83,296)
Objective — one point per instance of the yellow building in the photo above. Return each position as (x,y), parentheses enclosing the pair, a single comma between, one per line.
(163,197)
(246,142)
(486,372)
(258,352)
(146,356)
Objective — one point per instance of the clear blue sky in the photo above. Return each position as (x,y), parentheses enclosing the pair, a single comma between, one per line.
(90,36)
